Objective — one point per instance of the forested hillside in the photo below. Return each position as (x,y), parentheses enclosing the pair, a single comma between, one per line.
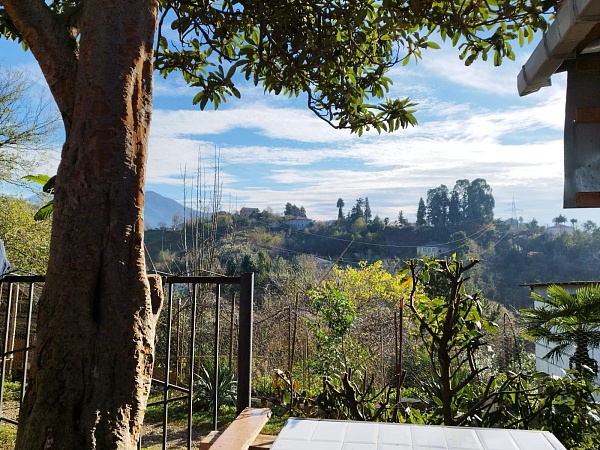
(460,221)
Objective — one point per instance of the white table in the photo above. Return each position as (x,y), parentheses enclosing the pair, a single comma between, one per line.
(314,434)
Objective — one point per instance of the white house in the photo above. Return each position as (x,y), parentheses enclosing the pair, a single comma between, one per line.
(559,229)
(298,223)
(432,250)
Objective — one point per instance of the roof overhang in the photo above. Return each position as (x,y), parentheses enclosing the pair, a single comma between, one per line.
(573,31)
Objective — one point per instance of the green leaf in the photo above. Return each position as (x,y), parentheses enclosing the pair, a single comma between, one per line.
(434,45)
(231,72)
(497,58)
(521,37)
(203,102)
(44,212)
(39,179)
(455,39)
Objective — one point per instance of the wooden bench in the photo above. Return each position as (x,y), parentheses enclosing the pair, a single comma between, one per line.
(241,433)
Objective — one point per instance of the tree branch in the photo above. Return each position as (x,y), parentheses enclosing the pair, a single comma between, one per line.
(53,46)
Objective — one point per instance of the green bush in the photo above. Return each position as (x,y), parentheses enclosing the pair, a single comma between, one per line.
(12,390)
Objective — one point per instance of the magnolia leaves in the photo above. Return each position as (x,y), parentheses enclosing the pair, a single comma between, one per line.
(47,183)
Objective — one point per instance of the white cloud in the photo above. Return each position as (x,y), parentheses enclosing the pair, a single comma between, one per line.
(277,123)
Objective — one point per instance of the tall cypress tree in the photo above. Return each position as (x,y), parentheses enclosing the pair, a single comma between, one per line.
(421,212)
(367,214)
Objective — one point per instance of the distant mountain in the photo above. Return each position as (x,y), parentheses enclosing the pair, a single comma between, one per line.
(159,210)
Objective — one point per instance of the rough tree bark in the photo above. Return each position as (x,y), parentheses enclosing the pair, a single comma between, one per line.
(95,340)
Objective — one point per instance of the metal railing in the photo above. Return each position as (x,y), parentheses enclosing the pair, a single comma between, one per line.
(19,326)
(18,333)
(244,359)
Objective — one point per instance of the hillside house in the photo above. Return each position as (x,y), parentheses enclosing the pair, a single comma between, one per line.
(247,212)
(298,223)
(322,263)
(432,250)
(559,229)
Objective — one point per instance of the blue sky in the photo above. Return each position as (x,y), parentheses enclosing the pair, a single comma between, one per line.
(272,150)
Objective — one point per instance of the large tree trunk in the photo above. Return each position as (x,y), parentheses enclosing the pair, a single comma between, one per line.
(95,341)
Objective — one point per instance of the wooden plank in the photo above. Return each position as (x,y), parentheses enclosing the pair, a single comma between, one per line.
(587,115)
(587,199)
(243,430)
(262,442)
(208,440)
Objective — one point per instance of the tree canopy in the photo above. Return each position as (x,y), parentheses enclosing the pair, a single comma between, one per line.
(338,54)
(467,202)
(293,210)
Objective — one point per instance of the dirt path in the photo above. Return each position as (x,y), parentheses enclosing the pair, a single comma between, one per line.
(176,436)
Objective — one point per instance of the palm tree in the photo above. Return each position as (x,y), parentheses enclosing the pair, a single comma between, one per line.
(574,223)
(560,219)
(567,321)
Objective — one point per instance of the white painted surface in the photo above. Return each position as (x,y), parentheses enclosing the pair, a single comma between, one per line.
(313,434)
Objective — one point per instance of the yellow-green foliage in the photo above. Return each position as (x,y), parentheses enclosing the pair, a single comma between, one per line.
(368,285)
(27,242)
(374,297)
(8,437)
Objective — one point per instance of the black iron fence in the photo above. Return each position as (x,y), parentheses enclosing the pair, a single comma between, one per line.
(189,333)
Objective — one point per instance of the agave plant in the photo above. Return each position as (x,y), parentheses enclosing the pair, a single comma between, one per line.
(226,388)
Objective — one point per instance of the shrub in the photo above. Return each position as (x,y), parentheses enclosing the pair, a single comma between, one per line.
(226,388)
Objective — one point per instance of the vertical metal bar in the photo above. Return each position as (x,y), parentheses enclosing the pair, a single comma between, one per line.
(245,342)
(6,332)
(289,339)
(400,369)
(27,340)
(294,333)
(231,323)
(167,368)
(13,329)
(178,371)
(215,405)
(191,364)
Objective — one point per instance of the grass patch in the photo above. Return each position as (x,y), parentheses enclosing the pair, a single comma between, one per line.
(178,414)
(275,424)
(8,437)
